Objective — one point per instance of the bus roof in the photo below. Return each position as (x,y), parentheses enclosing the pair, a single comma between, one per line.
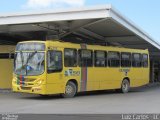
(60,43)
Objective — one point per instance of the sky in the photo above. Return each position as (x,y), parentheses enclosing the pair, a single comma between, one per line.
(144,13)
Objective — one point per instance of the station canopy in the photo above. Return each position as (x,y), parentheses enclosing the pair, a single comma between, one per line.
(92,25)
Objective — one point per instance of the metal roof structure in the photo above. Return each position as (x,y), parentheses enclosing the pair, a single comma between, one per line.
(94,25)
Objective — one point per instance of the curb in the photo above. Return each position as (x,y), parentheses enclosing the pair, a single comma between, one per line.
(153,84)
(5,91)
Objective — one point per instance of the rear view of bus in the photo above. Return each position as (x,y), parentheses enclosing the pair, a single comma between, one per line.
(29,68)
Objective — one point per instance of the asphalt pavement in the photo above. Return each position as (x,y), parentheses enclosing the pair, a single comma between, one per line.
(140,100)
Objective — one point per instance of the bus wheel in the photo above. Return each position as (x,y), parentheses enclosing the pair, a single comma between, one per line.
(125,86)
(70,90)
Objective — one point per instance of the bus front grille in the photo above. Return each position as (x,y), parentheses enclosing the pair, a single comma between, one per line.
(29,80)
(26,88)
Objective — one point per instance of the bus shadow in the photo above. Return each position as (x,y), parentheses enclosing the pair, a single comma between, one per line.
(39,97)
(107,92)
(82,94)
(86,94)
(56,97)
(97,93)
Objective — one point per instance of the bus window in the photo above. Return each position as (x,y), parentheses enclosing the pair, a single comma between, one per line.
(145,60)
(85,58)
(126,59)
(54,61)
(136,60)
(70,57)
(113,59)
(30,46)
(100,58)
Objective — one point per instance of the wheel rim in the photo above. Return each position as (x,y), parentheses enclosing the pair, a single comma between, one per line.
(125,86)
(69,89)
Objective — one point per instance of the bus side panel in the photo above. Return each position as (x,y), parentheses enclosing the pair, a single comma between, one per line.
(145,76)
(103,78)
(136,77)
(146,73)
(112,79)
(55,83)
(93,78)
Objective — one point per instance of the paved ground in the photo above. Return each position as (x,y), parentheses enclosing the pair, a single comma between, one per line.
(141,100)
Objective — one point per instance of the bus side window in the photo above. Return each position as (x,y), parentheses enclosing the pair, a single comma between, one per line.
(136,60)
(145,60)
(85,58)
(125,59)
(70,57)
(113,59)
(100,58)
(54,61)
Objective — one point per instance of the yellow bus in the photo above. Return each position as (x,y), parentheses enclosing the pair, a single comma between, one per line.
(54,67)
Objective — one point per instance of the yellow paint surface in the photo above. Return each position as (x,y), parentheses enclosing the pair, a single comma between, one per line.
(6,71)
(6,67)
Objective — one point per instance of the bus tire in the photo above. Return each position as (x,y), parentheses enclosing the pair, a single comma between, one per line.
(125,86)
(70,90)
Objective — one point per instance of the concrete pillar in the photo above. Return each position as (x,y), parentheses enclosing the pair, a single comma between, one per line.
(158,72)
(152,70)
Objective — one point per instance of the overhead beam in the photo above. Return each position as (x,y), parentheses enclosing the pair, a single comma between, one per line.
(23,36)
(123,38)
(155,54)
(82,26)
(7,42)
(91,34)
(84,36)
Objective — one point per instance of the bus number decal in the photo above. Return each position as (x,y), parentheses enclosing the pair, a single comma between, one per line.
(71,72)
(125,71)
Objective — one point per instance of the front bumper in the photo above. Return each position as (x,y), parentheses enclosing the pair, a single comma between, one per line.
(34,90)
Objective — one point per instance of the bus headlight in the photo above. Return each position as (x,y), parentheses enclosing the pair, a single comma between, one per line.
(39,82)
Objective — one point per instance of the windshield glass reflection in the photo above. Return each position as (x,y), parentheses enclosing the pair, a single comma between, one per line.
(29,63)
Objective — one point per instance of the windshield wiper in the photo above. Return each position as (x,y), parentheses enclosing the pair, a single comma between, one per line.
(22,60)
(30,56)
(25,65)
(21,57)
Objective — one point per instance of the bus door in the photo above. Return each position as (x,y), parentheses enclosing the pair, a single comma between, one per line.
(54,71)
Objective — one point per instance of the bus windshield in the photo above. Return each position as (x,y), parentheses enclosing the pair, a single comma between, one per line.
(29,63)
